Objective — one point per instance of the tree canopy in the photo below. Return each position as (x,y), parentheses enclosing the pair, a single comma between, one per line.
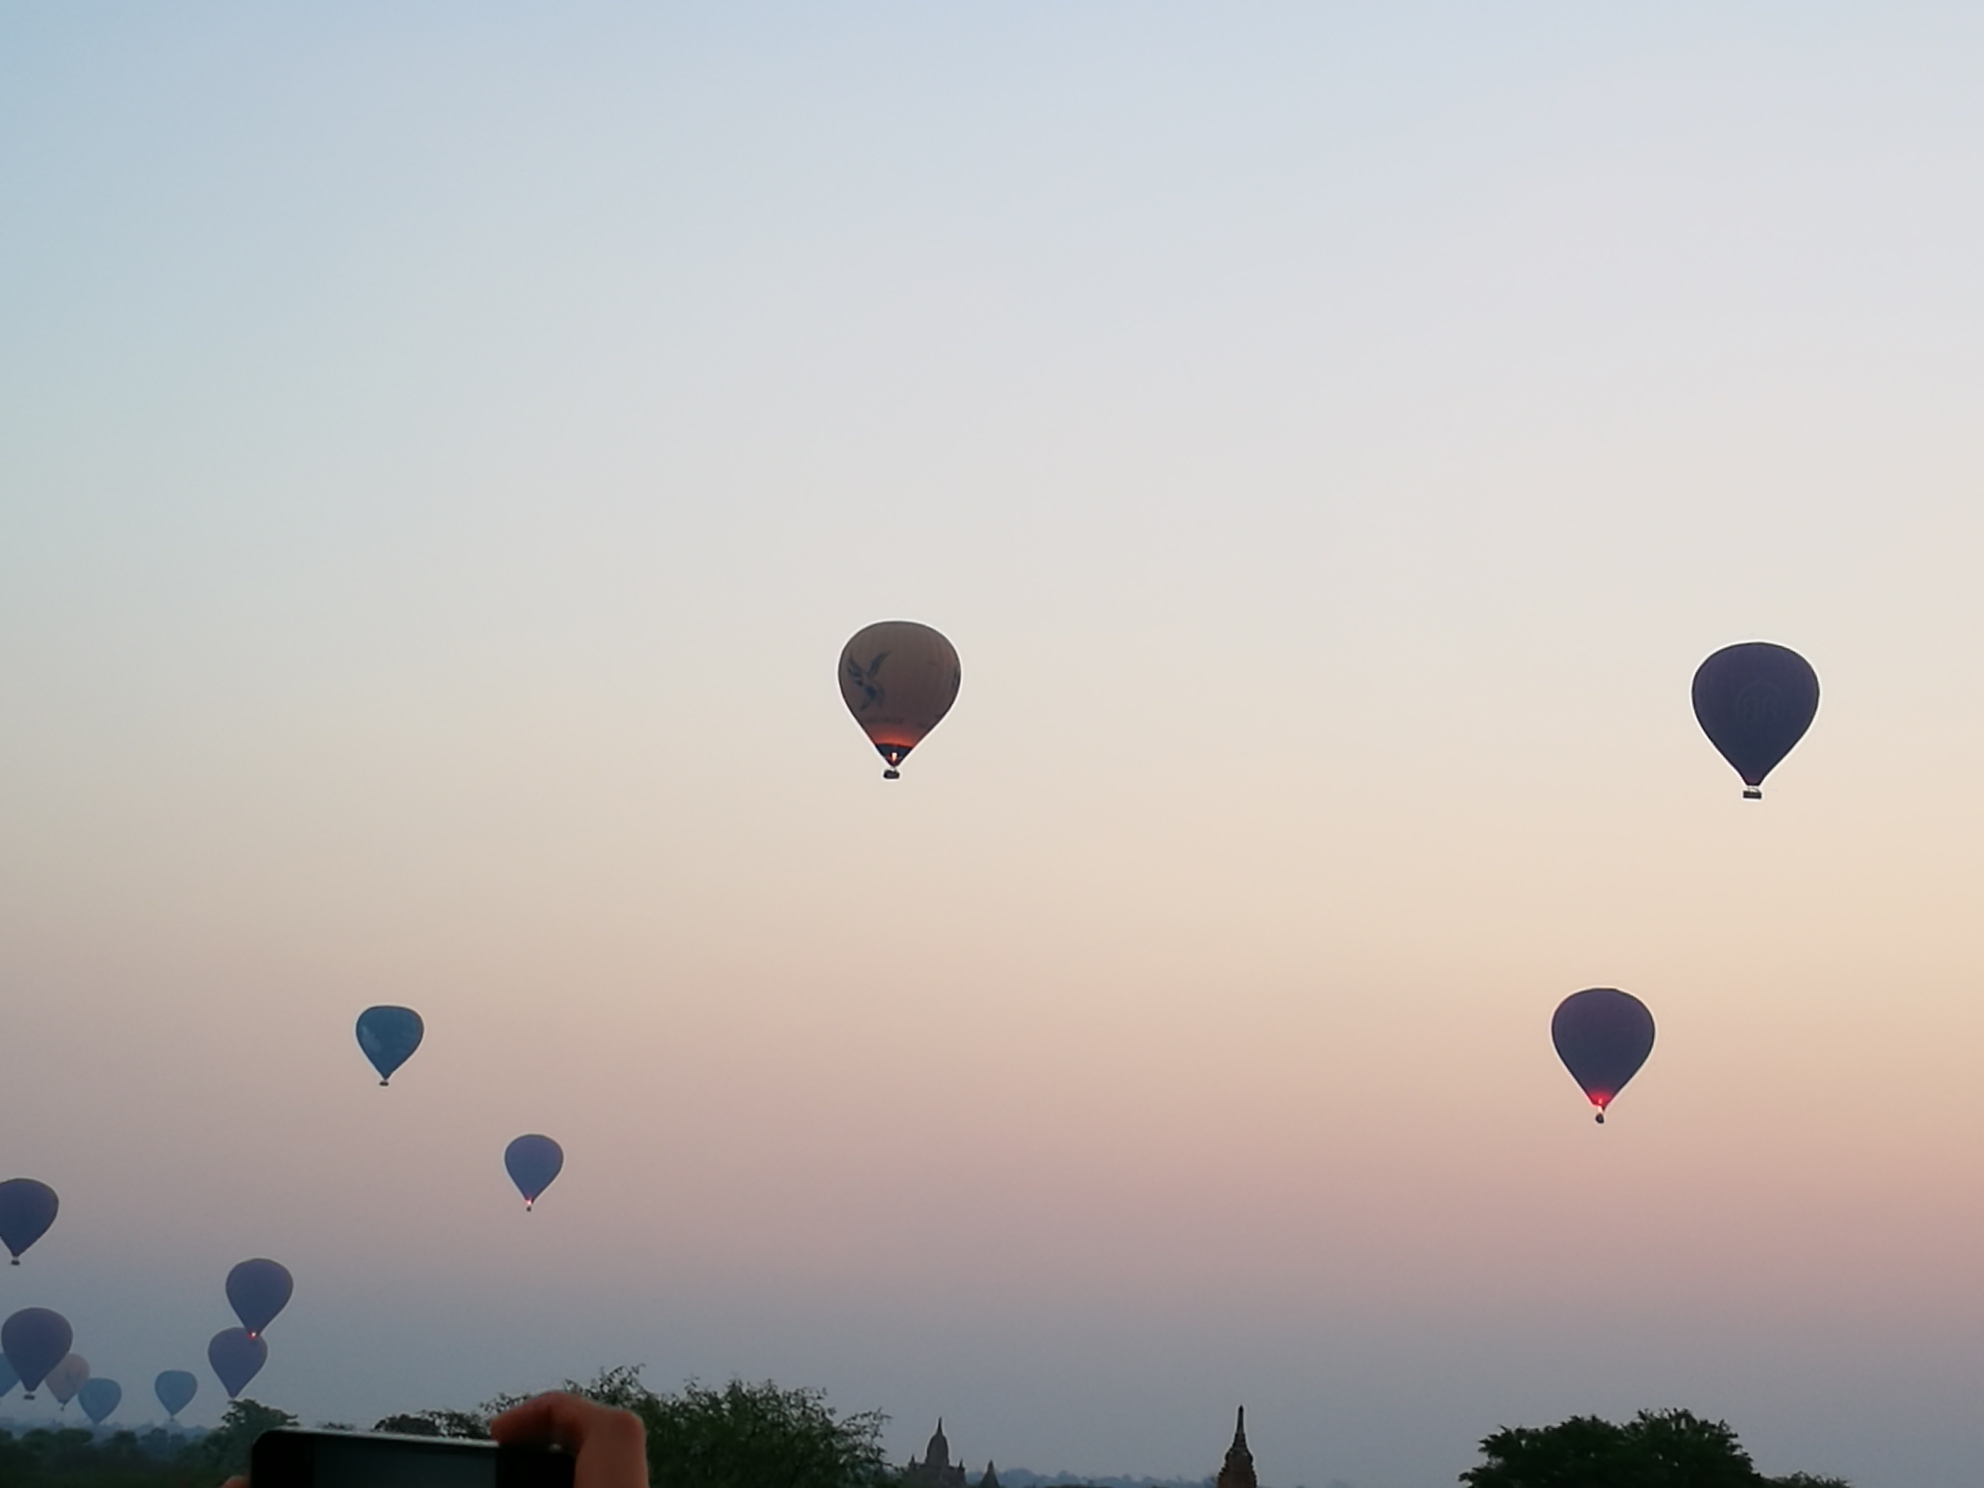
(744,1435)
(1656,1449)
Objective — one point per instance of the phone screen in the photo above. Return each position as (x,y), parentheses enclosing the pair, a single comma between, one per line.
(365,1464)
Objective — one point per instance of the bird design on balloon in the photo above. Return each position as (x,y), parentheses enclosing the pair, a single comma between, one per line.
(924,676)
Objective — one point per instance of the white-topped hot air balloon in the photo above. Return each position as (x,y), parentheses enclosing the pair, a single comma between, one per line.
(898,679)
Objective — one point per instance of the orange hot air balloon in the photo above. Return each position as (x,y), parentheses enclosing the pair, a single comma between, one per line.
(898,679)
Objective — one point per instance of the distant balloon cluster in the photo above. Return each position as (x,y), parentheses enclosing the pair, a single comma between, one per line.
(1754,701)
(36,1343)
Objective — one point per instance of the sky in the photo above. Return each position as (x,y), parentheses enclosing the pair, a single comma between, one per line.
(443,448)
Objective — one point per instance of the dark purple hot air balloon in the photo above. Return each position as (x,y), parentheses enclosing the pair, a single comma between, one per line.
(388,1036)
(237,1356)
(257,1290)
(1755,701)
(533,1162)
(27,1209)
(175,1389)
(98,1398)
(35,1340)
(1603,1036)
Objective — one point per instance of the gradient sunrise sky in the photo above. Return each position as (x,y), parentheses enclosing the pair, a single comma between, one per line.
(443,448)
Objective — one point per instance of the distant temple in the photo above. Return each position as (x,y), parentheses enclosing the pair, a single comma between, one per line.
(936,1468)
(1238,1469)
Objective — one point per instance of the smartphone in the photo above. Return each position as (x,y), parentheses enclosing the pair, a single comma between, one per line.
(374,1459)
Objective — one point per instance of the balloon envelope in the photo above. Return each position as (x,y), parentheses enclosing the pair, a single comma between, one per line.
(1603,1036)
(389,1035)
(175,1389)
(67,1377)
(27,1209)
(257,1290)
(533,1162)
(898,679)
(237,1356)
(35,1341)
(98,1398)
(1755,701)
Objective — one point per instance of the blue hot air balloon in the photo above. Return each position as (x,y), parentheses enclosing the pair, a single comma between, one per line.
(533,1162)
(175,1389)
(237,1356)
(8,1379)
(35,1340)
(257,1290)
(1603,1036)
(389,1035)
(98,1398)
(27,1209)
(1755,701)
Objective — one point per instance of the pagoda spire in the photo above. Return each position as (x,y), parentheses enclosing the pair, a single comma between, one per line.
(1238,1470)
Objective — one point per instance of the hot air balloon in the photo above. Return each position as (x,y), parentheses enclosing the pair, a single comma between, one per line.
(8,1379)
(27,1209)
(175,1389)
(257,1290)
(1603,1036)
(1755,701)
(35,1340)
(389,1035)
(533,1162)
(98,1398)
(898,679)
(237,1356)
(67,1377)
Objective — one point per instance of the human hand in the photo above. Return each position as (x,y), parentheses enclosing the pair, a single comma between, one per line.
(610,1445)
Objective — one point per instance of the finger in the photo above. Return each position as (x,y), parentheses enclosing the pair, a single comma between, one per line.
(610,1444)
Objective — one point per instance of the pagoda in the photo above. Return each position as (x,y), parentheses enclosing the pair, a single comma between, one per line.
(1238,1469)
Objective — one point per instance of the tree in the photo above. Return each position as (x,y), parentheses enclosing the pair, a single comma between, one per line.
(463,1425)
(1656,1449)
(740,1436)
(224,1450)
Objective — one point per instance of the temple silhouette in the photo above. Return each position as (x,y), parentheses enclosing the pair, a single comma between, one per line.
(937,1470)
(1238,1469)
